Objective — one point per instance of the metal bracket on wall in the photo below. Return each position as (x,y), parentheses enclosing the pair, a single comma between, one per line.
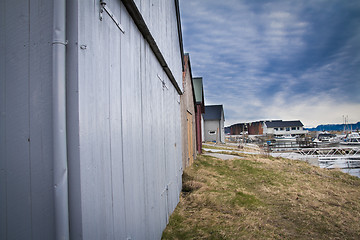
(163,82)
(166,190)
(103,8)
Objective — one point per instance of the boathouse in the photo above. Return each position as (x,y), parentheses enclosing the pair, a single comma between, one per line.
(90,123)
(200,109)
(214,123)
(251,128)
(188,121)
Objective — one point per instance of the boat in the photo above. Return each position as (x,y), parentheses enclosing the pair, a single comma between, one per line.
(326,139)
(352,138)
(286,138)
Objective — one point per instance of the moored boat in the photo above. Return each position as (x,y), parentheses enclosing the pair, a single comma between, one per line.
(352,138)
(287,138)
(326,139)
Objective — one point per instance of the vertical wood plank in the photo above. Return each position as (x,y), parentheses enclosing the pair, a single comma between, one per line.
(3,160)
(40,124)
(17,158)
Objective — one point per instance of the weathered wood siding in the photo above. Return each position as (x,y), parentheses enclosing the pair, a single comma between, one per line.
(26,180)
(129,141)
(160,18)
(124,124)
(188,116)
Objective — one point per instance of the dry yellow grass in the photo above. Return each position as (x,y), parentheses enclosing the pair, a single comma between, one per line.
(261,197)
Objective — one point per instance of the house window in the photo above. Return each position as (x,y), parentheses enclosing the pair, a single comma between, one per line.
(287,129)
(281,129)
(212,132)
(293,128)
(276,129)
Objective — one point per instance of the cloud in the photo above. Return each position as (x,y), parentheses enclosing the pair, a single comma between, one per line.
(261,57)
(312,111)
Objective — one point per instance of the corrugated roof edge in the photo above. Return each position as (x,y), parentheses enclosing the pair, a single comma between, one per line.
(179,32)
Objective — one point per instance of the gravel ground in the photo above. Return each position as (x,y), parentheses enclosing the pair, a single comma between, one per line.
(222,156)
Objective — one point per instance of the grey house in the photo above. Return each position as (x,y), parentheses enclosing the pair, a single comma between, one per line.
(90,126)
(214,123)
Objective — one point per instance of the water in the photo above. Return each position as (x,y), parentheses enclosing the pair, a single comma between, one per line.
(350,165)
(347,164)
(353,172)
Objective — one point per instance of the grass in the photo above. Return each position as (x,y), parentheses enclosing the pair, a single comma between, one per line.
(257,197)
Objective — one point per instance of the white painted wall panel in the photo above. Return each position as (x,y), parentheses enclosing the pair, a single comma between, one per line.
(161,21)
(3,161)
(40,94)
(98,81)
(129,124)
(124,141)
(26,197)
(116,144)
(132,130)
(212,125)
(16,119)
(222,129)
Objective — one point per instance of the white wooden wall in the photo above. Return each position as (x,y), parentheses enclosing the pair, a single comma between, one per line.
(124,140)
(26,193)
(160,18)
(129,138)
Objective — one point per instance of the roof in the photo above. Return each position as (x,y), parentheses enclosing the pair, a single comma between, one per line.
(213,112)
(178,21)
(280,123)
(198,89)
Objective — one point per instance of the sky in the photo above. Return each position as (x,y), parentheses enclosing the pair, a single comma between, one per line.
(276,59)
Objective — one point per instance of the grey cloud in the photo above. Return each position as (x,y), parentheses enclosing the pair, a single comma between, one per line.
(273,52)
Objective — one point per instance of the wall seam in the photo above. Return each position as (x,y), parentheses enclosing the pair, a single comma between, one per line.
(29,117)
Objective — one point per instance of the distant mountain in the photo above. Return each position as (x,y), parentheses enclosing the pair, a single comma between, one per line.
(336,127)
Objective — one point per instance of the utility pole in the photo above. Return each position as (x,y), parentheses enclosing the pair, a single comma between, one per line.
(243,133)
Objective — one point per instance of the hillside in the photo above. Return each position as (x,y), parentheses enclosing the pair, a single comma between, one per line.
(260,197)
(336,127)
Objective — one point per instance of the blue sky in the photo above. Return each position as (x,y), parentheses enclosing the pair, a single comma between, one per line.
(276,59)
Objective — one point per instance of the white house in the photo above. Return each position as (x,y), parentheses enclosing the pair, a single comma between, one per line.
(284,128)
(214,123)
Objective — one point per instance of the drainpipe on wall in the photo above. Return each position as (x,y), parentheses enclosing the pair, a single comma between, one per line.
(59,122)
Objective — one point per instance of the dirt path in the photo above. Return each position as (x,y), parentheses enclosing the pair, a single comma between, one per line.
(222,156)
